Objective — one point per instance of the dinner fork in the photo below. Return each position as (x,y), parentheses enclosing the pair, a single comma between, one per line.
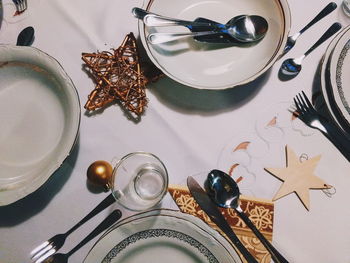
(106,223)
(53,244)
(21,5)
(308,114)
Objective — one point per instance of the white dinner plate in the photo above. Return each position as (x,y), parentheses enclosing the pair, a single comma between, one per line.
(162,236)
(39,116)
(339,69)
(214,66)
(326,89)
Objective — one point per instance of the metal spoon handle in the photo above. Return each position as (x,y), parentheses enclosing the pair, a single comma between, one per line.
(158,38)
(330,32)
(140,13)
(324,12)
(106,223)
(100,207)
(157,20)
(276,256)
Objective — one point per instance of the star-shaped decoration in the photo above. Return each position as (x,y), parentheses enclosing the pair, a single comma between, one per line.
(298,177)
(118,77)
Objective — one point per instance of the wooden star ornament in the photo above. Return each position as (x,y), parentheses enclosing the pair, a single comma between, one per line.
(298,177)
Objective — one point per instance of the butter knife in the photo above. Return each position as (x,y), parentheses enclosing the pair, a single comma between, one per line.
(216,216)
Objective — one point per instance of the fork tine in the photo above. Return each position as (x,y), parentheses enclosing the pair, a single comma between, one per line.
(304,104)
(301,105)
(297,105)
(45,256)
(307,100)
(42,252)
(38,248)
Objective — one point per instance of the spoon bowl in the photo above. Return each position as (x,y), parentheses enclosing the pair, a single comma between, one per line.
(291,67)
(222,189)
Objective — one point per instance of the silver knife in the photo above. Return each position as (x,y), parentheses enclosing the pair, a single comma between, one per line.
(215,215)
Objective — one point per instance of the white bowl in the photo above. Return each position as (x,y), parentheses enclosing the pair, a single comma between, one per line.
(213,66)
(39,116)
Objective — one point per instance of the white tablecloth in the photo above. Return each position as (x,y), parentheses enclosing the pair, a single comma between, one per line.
(188,129)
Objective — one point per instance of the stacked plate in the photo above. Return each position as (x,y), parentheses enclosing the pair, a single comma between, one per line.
(335,79)
(162,236)
(39,116)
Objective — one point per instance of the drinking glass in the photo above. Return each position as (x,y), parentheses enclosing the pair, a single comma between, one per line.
(139,181)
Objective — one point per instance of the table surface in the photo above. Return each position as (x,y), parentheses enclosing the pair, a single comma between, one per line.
(188,129)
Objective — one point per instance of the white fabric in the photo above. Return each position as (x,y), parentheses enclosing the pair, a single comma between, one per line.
(188,129)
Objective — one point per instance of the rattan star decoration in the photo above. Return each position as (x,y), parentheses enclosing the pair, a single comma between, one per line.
(298,177)
(118,77)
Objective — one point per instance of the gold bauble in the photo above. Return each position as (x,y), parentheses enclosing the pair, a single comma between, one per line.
(100,173)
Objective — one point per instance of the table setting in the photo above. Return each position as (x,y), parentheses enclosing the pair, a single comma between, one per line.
(186,131)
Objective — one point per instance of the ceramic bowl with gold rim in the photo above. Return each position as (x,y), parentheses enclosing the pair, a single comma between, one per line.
(216,66)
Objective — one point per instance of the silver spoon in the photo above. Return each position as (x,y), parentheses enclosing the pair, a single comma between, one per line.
(244,28)
(291,67)
(324,12)
(224,191)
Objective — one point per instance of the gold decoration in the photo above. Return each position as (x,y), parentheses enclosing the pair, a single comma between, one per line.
(100,173)
(298,177)
(118,77)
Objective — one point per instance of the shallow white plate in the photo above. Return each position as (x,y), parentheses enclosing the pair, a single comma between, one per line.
(339,68)
(326,88)
(213,66)
(162,236)
(39,116)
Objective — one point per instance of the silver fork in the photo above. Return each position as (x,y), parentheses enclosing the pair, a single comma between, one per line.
(51,246)
(308,114)
(21,5)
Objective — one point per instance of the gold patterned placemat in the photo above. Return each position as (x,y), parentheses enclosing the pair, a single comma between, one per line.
(260,212)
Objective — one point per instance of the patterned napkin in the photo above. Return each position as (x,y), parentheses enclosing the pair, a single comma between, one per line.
(259,211)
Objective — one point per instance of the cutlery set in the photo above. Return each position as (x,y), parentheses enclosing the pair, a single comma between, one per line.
(242,28)
(48,248)
(220,190)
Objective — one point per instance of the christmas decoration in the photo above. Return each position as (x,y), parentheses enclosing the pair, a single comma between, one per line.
(298,177)
(118,77)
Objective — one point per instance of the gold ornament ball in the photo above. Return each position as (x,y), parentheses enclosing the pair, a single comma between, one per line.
(100,173)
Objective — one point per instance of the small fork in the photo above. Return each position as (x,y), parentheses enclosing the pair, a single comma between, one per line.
(21,5)
(51,246)
(308,114)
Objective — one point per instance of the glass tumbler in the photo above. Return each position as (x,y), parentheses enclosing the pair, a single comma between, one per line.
(139,181)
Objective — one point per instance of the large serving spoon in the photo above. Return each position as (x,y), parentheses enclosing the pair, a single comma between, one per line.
(244,28)
(224,191)
(292,66)
(291,40)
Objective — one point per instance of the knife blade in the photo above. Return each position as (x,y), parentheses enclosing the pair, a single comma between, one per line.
(205,203)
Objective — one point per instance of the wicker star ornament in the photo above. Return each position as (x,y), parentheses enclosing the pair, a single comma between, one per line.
(118,77)
(298,177)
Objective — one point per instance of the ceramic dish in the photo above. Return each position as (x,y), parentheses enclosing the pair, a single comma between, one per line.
(339,68)
(162,235)
(326,86)
(40,116)
(217,66)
